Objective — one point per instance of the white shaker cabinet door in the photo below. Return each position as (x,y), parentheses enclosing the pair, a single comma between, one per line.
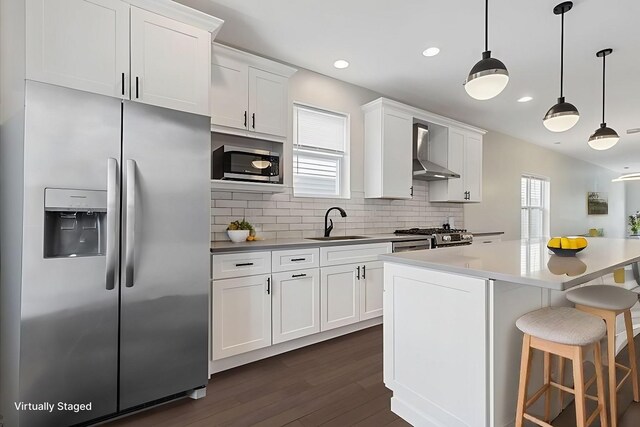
(371,290)
(339,296)
(397,154)
(170,63)
(456,161)
(268,102)
(473,168)
(241,315)
(79,44)
(296,304)
(229,90)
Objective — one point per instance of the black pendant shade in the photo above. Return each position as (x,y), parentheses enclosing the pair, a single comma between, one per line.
(489,76)
(563,115)
(604,137)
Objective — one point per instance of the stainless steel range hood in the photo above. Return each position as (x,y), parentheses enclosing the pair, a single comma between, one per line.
(423,168)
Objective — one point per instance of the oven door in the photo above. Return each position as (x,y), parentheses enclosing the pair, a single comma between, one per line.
(411,245)
(251,165)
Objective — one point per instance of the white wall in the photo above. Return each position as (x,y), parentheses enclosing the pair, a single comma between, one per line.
(282,215)
(506,158)
(632,197)
(318,90)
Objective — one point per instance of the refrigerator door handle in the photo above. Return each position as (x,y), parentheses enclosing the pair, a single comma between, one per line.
(113,190)
(130,242)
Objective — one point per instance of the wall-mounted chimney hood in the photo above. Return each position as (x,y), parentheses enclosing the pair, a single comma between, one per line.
(423,168)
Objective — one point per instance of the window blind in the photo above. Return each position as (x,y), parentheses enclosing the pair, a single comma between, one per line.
(319,152)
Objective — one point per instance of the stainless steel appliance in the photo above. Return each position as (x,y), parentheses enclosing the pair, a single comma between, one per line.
(111,308)
(245,164)
(423,168)
(411,245)
(441,237)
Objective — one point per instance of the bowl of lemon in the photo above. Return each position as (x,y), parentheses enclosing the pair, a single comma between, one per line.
(567,246)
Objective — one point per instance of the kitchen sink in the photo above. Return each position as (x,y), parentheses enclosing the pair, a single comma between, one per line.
(337,238)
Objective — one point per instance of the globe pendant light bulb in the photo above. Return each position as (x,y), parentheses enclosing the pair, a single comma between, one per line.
(487,78)
(603,138)
(561,117)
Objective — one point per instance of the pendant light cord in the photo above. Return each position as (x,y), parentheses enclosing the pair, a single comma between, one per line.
(562,55)
(603,84)
(486,25)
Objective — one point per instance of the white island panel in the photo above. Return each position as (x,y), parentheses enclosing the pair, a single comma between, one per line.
(435,347)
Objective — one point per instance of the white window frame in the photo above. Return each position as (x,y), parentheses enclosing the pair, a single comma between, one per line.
(344,166)
(544,208)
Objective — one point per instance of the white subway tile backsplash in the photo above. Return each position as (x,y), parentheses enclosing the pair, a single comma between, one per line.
(281,215)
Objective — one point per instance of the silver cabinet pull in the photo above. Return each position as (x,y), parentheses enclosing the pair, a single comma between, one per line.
(113,195)
(130,237)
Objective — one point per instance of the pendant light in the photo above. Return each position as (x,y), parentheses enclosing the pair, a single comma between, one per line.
(489,76)
(604,137)
(564,115)
(627,177)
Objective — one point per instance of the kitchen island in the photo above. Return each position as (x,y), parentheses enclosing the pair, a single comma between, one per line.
(451,347)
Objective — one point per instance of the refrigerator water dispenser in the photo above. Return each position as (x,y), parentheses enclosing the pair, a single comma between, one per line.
(74,222)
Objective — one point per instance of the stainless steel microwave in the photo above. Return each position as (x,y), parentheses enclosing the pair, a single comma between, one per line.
(245,164)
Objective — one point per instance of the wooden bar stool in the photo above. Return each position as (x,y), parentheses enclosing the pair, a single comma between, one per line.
(568,333)
(607,302)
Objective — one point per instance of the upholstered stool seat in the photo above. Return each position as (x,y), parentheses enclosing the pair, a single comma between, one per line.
(563,325)
(607,302)
(567,333)
(607,297)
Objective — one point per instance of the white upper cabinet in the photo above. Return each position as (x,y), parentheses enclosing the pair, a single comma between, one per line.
(229,90)
(80,44)
(112,48)
(389,147)
(169,63)
(249,94)
(461,153)
(268,102)
(387,152)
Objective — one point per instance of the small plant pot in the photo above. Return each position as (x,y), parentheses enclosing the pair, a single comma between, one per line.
(238,236)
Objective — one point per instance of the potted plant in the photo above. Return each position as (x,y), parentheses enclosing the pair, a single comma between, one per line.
(634,222)
(239,231)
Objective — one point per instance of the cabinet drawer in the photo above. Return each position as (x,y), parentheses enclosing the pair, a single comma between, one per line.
(241,264)
(295,259)
(487,239)
(348,254)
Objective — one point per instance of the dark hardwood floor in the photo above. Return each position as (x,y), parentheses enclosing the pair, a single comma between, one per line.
(334,383)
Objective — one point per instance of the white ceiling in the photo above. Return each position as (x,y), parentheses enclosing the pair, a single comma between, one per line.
(383,40)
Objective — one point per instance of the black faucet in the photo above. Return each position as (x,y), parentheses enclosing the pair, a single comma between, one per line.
(327,230)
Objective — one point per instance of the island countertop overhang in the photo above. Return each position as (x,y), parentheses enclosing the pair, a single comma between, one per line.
(526,262)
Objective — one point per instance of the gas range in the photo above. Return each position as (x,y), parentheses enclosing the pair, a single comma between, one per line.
(441,237)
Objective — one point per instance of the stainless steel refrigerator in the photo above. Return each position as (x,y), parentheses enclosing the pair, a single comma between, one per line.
(115,259)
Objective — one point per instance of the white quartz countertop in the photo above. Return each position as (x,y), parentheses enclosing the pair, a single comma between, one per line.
(267,244)
(526,262)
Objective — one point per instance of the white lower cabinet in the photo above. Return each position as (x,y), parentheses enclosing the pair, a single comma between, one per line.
(371,290)
(296,304)
(339,296)
(241,315)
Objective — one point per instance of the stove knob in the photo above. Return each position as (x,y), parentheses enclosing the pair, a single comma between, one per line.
(446,238)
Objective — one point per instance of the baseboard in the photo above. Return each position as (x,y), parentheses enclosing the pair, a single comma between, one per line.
(220,365)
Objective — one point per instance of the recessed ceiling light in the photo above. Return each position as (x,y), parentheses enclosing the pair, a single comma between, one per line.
(557,143)
(341,63)
(626,167)
(432,51)
(525,99)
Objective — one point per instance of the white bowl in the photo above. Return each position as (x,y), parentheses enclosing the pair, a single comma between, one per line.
(238,236)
